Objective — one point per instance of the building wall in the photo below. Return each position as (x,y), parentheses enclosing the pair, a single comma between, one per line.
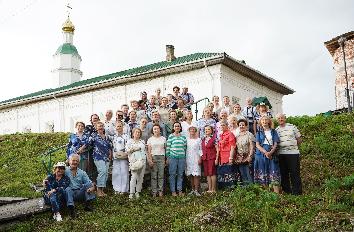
(340,81)
(62,113)
(239,88)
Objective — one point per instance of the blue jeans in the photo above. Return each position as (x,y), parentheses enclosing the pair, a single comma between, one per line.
(245,174)
(55,200)
(78,194)
(176,167)
(102,169)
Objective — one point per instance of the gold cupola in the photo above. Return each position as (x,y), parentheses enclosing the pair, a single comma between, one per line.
(68,26)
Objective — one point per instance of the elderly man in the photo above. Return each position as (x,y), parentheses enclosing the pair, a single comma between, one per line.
(156,120)
(289,156)
(188,98)
(249,112)
(109,126)
(81,187)
(125,109)
(226,105)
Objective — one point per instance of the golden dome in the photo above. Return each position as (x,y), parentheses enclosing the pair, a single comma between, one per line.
(68,26)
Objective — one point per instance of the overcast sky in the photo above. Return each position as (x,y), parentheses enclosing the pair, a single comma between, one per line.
(283,39)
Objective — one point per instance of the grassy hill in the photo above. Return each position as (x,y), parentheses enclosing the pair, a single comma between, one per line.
(327,204)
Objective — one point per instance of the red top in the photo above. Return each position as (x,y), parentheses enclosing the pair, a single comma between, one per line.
(227,140)
(209,150)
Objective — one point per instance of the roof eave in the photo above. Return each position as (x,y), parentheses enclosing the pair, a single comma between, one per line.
(117,80)
(256,76)
(332,45)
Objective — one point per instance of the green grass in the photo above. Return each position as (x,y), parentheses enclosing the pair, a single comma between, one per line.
(327,204)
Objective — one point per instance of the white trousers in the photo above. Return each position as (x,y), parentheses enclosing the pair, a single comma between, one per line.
(136,181)
(120,175)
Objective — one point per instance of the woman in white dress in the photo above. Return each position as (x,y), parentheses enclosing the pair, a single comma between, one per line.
(120,171)
(193,159)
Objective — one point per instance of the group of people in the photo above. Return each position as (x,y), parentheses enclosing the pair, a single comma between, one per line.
(229,145)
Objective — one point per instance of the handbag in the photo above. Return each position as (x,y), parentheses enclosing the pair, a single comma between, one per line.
(120,155)
(136,165)
(242,158)
(226,175)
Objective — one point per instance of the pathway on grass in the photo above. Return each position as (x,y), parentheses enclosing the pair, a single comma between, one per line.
(21,208)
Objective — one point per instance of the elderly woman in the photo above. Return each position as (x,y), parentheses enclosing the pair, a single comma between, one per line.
(217,105)
(135,148)
(226,169)
(187,123)
(181,109)
(55,185)
(222,117)
(205,121)
(144,129)
(266,167)
(237,114)
(214,115)
(169,124)
(176,153)
(77,140)
(102,154)
(120,171)
(245,150)
(262,110)
(164,110)
(210,157)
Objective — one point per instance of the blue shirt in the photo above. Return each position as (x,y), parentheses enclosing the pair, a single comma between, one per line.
(75,142)
(101,147)
(81,178)
(59,185)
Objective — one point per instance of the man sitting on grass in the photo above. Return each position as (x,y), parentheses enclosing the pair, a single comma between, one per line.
(81,187)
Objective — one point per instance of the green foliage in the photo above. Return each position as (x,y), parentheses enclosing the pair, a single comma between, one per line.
(327,149)
(20,161)
(327,205)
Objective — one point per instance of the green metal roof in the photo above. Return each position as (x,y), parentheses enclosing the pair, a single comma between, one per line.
(129,72)
(67,48)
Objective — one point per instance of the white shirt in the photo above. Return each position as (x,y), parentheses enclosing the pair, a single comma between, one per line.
(157,145)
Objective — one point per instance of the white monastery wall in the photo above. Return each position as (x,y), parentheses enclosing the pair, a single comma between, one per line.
(238,88)
(60,114)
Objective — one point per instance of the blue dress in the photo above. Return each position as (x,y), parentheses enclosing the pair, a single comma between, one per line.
(266,171)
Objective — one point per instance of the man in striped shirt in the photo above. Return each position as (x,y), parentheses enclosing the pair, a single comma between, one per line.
(289,156)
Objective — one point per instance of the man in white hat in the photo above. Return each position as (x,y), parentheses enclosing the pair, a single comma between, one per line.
(81,187)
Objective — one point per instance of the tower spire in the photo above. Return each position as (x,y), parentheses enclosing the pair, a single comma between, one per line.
(66,59)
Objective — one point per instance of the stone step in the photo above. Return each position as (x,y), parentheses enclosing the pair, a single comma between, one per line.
(8,200)
(22,209)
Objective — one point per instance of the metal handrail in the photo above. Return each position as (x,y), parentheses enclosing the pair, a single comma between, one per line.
(196,105)
(49,152)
